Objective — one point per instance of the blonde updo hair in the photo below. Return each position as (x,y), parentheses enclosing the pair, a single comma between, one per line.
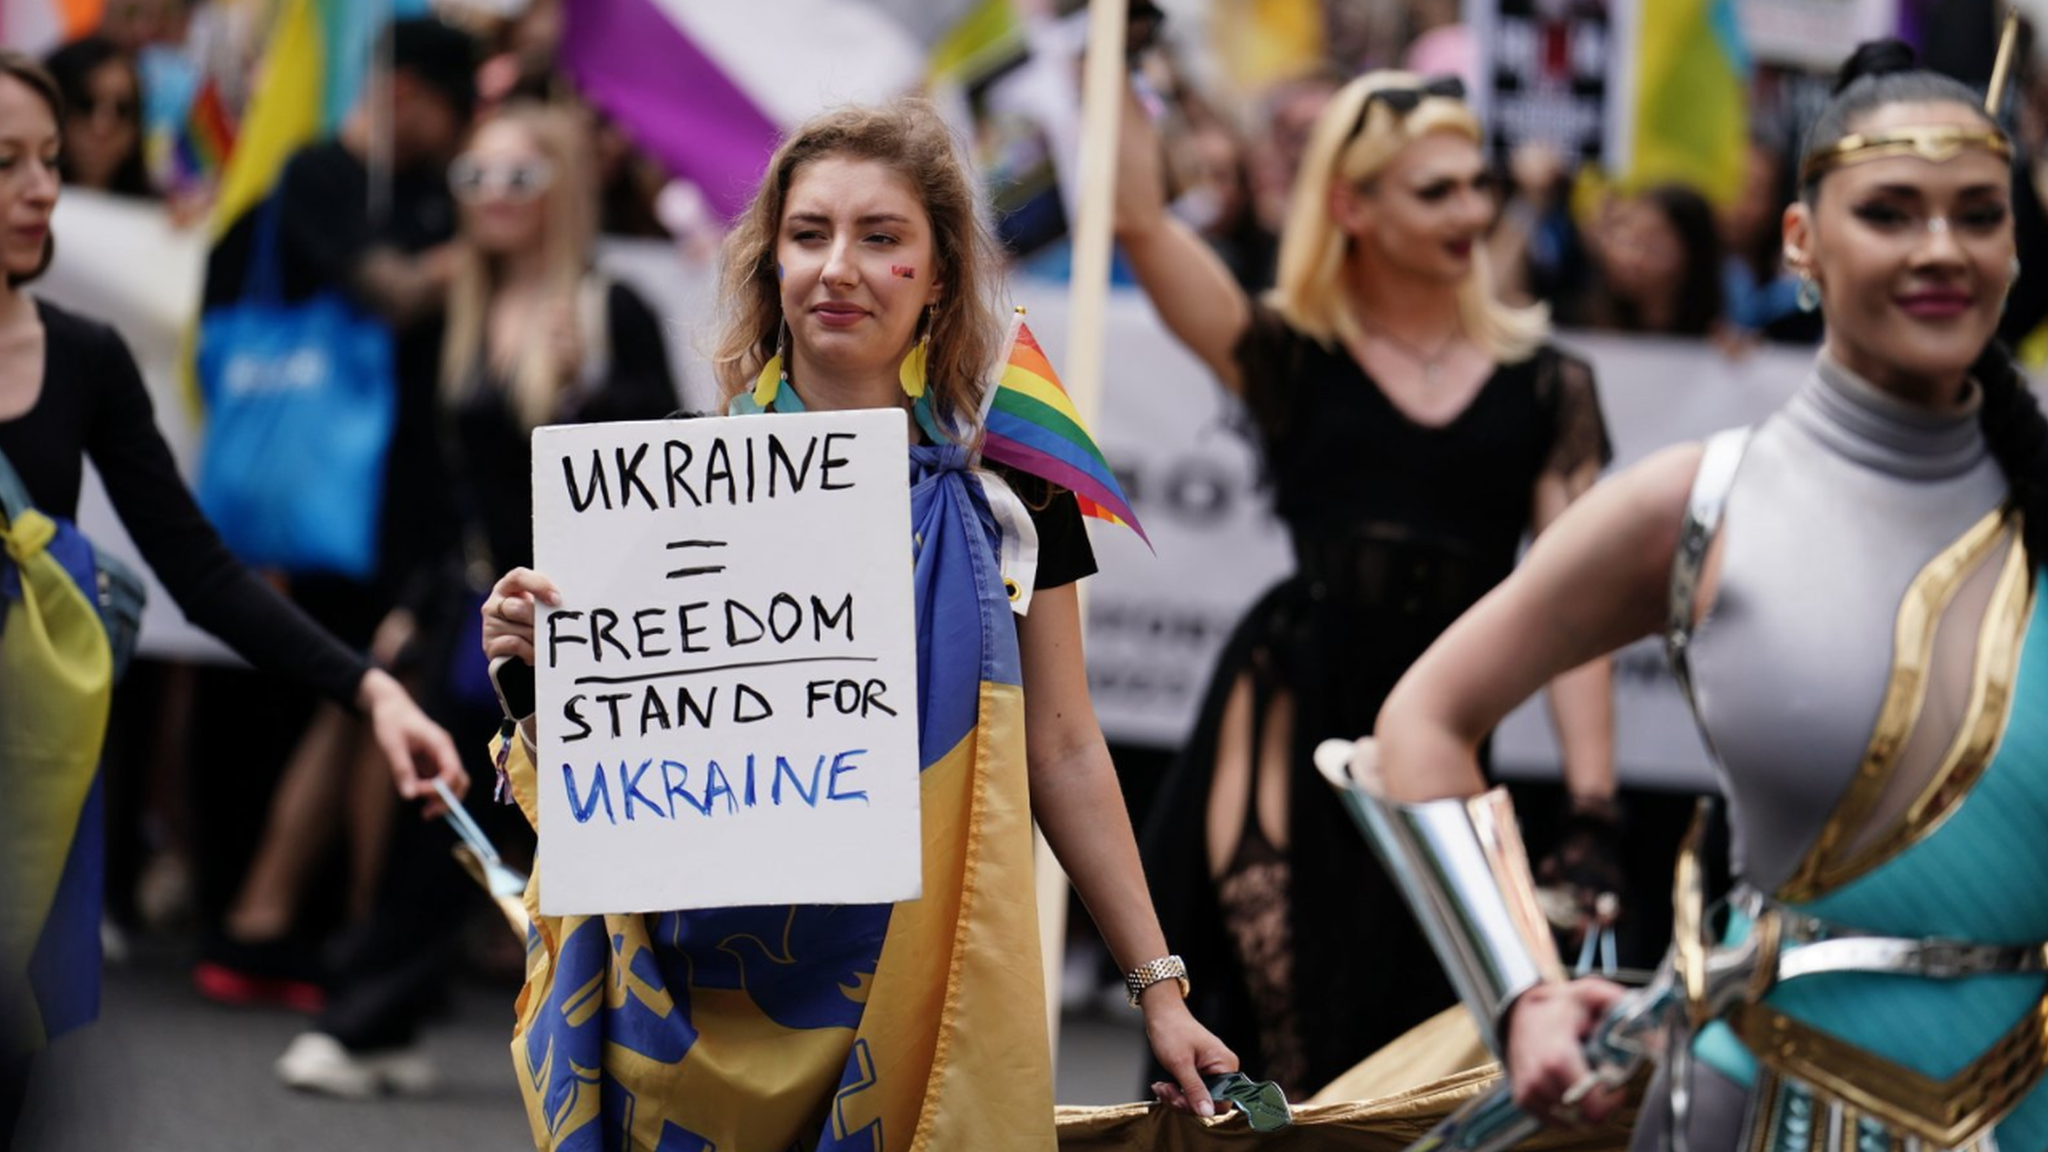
(1311,292)
(908,137)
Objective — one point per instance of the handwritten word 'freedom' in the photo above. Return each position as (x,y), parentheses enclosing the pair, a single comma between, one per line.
(646,632)
(662,789)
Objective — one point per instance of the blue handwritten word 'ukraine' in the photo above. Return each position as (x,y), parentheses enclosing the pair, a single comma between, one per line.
(662,789)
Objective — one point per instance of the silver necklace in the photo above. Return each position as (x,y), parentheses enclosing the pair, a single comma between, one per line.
(1431,363)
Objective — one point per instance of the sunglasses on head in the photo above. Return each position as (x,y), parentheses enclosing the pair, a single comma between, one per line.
(519,180)
(1406,100)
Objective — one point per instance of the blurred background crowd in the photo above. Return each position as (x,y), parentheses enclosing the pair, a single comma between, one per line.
(528,196)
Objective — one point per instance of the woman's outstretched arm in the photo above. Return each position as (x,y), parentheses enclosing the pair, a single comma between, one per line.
(1080,808)
(1595,580)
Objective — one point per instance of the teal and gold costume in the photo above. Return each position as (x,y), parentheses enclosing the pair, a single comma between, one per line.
(1873,676)
(1870,670)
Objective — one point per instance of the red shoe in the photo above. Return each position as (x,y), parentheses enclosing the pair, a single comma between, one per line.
(224,985)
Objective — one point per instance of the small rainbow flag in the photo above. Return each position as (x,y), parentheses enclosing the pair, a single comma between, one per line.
(206,138)
(1030,424)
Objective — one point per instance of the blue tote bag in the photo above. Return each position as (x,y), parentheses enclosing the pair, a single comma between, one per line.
(300,400)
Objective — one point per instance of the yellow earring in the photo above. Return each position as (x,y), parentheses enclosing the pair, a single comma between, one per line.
(915,362)
(774,374)
(911,371)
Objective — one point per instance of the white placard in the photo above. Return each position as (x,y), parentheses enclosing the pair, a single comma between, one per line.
(727,691)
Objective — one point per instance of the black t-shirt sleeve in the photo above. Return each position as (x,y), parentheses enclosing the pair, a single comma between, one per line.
(638,385)
(1064,553)
(1580,431)
(215,590)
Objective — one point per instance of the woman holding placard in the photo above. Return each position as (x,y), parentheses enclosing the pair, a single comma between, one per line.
(1413,429)
(862,277)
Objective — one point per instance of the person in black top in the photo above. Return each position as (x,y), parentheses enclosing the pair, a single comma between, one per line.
(388,247)
(534,335)
(1413,428)
(385,241)
(69,389)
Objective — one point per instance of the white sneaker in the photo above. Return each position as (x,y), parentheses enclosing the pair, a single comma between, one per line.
(317,1062)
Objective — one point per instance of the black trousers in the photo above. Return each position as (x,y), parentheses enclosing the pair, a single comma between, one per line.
(14,1074)
(391,971)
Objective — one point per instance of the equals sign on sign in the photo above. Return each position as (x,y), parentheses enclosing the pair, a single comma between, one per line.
(688,571)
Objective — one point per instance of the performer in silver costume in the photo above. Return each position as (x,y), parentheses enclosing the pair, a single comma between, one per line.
(1852,597)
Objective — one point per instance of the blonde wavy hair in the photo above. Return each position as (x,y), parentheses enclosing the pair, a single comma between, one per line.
(568,237)
(1310,289)
(908,137)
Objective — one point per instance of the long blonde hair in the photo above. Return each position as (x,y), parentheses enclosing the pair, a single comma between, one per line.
(568,236)
(1311,291)
(908,137)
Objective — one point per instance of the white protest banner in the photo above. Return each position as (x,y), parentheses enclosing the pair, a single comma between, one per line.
(1816,34)
(727,692)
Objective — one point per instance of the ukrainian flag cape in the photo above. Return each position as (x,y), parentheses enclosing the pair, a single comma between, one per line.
(56,681)
(918,1025)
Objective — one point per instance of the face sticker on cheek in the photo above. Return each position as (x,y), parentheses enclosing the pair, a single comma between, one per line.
(780,275)
(903,270)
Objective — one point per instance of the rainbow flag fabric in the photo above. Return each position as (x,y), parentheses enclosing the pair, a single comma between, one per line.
(1030,424)
(206,138)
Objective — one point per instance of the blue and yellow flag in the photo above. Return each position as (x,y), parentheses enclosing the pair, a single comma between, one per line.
(1690,115)
(313,67)
(56,682)
(830,1027)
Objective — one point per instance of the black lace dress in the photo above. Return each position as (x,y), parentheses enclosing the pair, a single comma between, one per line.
(1304,958)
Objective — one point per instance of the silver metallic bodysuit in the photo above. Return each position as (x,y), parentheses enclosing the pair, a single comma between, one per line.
(1843,496)
(1843,500)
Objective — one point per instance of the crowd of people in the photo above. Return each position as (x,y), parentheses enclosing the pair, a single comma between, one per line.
(1362,269)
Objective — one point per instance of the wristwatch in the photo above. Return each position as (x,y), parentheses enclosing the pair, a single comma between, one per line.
(1152,972)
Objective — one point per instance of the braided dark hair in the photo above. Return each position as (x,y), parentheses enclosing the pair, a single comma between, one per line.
(2017,435)
(1883,72)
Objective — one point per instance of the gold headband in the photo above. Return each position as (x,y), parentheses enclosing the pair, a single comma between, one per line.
(1935,144)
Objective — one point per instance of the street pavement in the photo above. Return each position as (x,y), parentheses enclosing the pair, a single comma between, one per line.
(164,1071)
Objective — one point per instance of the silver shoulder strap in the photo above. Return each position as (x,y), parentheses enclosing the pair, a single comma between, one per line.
(1703,510)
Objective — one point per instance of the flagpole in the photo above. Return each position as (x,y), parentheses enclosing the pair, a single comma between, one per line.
(1087,297)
